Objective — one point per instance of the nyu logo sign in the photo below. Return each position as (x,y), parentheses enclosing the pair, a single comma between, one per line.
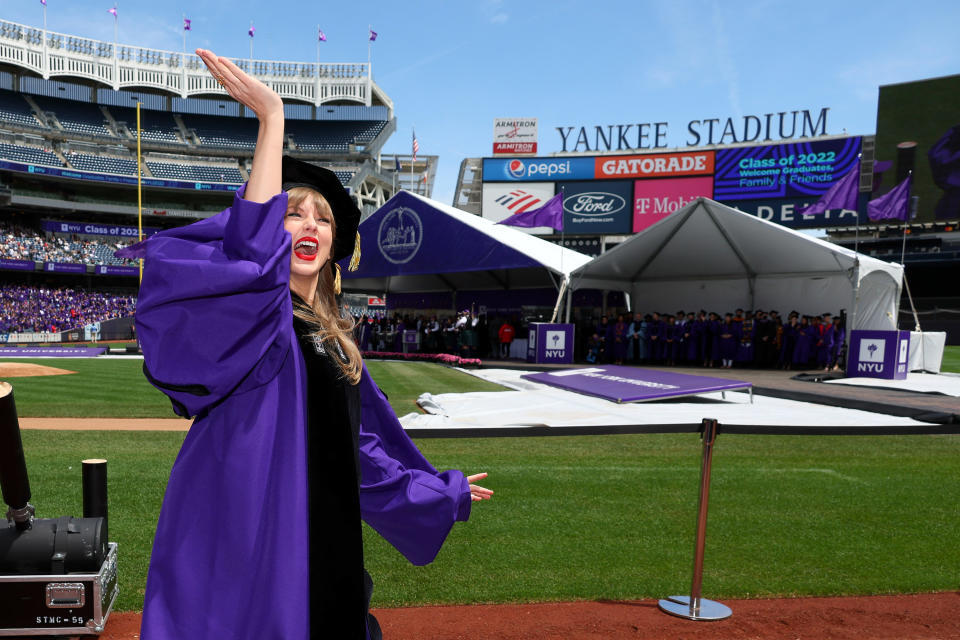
(595,203)
(400,235)
(879,354)
(556,344)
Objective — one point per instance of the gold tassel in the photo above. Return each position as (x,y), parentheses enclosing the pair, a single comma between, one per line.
(355,260)
(336,280)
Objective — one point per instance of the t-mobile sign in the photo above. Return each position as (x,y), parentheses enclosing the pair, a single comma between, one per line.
(879,354)
(654,200)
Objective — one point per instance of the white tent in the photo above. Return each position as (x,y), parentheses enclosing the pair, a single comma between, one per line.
(414,244)
(710,256)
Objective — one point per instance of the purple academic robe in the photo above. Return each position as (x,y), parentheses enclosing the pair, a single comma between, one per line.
(230,554)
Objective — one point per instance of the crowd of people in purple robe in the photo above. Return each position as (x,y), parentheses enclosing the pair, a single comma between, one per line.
(23,243)
(743,339)
(41,309)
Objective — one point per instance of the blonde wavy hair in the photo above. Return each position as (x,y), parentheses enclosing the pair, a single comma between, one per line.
(324,317)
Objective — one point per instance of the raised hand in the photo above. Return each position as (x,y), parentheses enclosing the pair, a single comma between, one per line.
(265,178)
(246,90)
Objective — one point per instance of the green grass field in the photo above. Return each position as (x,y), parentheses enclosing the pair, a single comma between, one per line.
(576,517)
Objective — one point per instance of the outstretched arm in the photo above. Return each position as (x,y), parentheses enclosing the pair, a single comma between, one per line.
(264,182)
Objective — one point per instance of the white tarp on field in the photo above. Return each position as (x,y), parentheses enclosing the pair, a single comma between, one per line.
(535,404)
(710,256)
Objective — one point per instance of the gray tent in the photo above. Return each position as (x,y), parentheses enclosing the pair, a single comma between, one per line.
(708,255)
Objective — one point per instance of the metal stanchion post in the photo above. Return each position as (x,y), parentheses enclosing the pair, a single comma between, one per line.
(693,607)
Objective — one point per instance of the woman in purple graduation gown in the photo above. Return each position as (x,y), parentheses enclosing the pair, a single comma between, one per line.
(259,536)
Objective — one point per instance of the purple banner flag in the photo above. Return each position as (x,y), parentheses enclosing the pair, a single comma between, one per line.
(549,215)
(251,30)
(894,205)
(321,36)
(112,11)
(373,35)
(186,24)
(842,195)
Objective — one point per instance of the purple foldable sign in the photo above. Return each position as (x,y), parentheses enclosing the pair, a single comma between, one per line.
(879,354)
(550,343)
(18,265)
(51,352)
(629,384)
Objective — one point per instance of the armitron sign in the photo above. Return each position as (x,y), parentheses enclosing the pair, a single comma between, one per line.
(515,136)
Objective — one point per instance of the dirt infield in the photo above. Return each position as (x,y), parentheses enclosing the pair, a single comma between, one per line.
(107,424)
(918,617)
(25,370)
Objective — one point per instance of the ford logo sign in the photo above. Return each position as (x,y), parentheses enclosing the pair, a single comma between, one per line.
(594,203)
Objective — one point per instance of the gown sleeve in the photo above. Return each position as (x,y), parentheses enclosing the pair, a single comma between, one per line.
(406,500)
(214,310)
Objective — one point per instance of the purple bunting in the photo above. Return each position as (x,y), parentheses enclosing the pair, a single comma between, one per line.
(842,195)
(549,215)
(893,205)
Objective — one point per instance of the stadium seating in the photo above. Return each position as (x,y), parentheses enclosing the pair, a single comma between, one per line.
(157,126)
(102,164)
(233,133)
(331,135)
(76,117)
(344,176)
(29,155)
(192,172)
(14,109)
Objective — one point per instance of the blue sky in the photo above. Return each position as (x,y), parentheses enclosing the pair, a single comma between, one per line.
(452,66)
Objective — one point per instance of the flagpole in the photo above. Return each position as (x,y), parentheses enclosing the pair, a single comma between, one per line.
(906,218)
(139,191)
(46,66)
(856,232)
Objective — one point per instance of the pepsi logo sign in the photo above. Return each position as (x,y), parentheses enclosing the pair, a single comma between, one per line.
(516,169)
(594,203)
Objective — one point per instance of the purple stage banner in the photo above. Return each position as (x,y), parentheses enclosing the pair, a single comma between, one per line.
(51,352)
(629,384)
(64,267)
(18,265)
(111,270)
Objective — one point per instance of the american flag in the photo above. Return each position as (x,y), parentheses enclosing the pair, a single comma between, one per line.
(416,146)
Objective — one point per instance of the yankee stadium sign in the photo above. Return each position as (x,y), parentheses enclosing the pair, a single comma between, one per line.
(782,125)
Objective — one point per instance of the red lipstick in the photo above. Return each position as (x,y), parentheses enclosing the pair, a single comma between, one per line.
(306,248)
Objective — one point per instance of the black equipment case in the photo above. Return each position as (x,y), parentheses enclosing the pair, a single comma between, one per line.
(68,604)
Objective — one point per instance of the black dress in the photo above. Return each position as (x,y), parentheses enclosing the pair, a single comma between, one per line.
(340,588)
